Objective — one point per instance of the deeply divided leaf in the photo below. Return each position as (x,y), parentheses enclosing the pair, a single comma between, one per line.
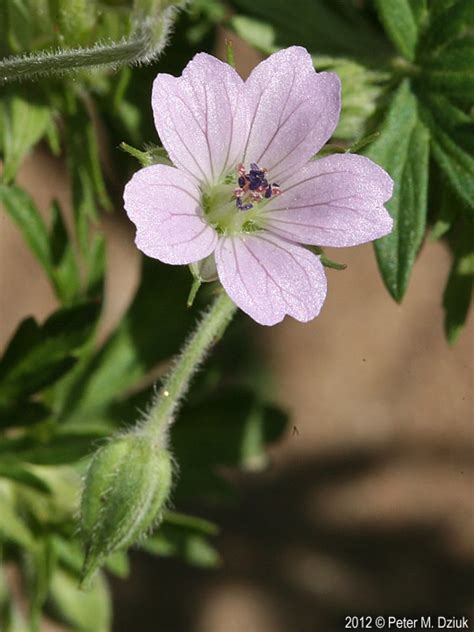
(403,150)
(452,133)
(400,23)
(39,355)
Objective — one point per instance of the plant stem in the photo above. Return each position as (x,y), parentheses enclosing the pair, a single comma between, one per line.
(147,40)
(208,331)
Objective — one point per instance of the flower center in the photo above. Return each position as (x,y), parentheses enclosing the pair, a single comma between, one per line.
(253,187)
(233,210)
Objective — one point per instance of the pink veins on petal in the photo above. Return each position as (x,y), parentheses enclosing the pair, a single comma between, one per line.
(244,189)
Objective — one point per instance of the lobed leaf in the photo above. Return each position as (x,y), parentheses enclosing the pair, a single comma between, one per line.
(450,20)
(26,216)
(21,474)
(452,134)
(403,150)
(25,122)
(86,611)
(154,326)
(53,250)
(322,26)
(400,23)
(12,527)
(65,272)
(458,292)
(451,71)
(37,355)
(185,537)
(230,428)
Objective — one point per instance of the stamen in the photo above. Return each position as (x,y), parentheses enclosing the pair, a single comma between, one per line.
(254,186)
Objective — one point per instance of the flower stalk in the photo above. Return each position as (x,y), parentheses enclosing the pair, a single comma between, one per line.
(209,330)
(148,38)
(129,480)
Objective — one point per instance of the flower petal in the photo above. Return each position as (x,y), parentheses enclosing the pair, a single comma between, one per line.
(293,111)
(268,277)
(201,117)
(334,201)
(163,203)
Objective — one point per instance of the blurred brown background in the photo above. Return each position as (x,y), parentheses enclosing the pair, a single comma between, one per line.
(368,505)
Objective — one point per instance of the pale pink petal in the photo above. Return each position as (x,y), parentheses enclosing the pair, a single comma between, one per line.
(268,277)
(163,203)
(201,117)
(334,201)
(293,111)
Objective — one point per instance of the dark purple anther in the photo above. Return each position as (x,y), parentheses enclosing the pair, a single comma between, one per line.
(242,207)
(268,192)
(241,181)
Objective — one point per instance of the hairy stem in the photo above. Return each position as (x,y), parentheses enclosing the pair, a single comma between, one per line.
(147,40)
(208,331)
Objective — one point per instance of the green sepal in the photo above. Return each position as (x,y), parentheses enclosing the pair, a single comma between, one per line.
(326,261)
(153,154)
(125,489)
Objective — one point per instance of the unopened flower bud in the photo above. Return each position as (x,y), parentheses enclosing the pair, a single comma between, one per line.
(126,488)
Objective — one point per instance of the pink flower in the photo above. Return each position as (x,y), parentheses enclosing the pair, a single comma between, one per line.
(245,191)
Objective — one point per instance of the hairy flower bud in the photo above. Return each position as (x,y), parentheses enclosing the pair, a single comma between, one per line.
(126,488)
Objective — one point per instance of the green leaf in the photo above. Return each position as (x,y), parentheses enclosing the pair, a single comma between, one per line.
(96,262)
(65,273)
(152,329)
(118,564)
(185,537)
(448,212)
(403,150)
(61,448)
(19,24)
(458,293)
(54,251)
(449,21)
(401,26)
(193,523)
(69,553)
(51,512)
(12,527)
(451,71)
(321,26)
(25,122)
(21,474)
(24,213)
(38,355)
(38,567)
(452,134)
(231,428)
(26,413)
(86,611)
(419,8)
(88,186)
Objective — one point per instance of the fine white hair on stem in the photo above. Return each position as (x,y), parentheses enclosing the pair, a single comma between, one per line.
(149,36)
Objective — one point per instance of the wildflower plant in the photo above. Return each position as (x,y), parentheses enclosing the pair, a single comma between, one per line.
(232,210)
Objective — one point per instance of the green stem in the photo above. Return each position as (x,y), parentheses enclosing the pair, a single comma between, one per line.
(175,385)
(148,38)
